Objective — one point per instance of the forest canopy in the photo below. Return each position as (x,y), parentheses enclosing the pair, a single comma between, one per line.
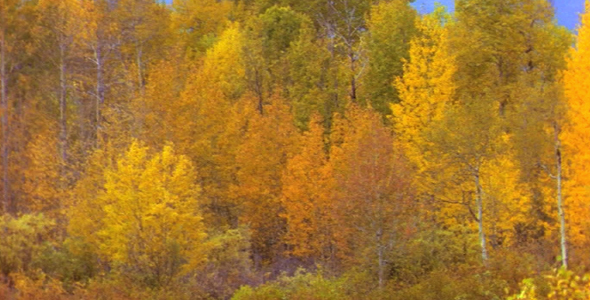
(282,149)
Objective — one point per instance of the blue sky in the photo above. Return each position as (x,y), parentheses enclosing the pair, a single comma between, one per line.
(567,10)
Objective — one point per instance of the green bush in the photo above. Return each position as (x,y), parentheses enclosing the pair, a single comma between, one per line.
(562,285)
(22,241)
(301,286)
(73,261)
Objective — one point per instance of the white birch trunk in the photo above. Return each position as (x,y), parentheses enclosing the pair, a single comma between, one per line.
(482,237)
(560,210)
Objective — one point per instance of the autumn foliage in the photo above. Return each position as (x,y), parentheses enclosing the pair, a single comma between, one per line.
(344,149)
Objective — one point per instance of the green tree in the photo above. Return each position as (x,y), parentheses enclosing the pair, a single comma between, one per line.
(270,37)
(391,27)
(312,73)
(198,22)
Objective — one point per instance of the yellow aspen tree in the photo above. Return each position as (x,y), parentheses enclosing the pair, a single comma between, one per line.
(268,143)
(537,150)
(157,112)
(466,140)
(25,103)
(199,22)
(84,207)
(426,90)
(11,13)
(152,223)
(61,21)
(426,87)
(210,122)
(100,38)
(576,139)
(144,36)
(506,202)
(474,136)
(85,200)
(308,199)
(43,189)
(373,181)
(223,68)
(57,34)
(516,57)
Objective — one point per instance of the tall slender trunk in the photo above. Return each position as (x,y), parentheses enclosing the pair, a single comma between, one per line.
(6,207)
(560,211)
(259,90)
(332,48)
(139,68)
(331,32)
(137,127)
(353,85)
(100,90)
(380,257)
(482,237)
(63,133)
(352,59)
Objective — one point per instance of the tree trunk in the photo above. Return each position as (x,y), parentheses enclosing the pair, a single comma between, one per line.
(380,257)
(63,130)
(482,237)
(353,87)
(139,62)
(100,90)
(6,207)
(560,201)
(259,90)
